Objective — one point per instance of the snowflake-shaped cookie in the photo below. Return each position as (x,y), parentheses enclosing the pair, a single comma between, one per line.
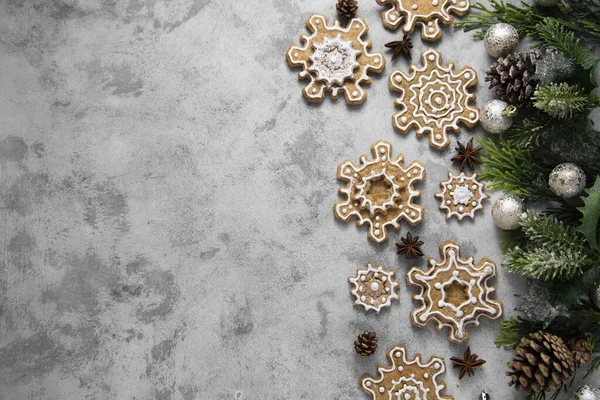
(434,99)
(374,288)
(427,13)
(335,58)
(380,192)
(454,292)
(406,379)
(461,195)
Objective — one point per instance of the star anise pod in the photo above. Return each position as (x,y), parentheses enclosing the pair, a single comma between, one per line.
(410,247)
(467,364)
(401,46)
(467,155)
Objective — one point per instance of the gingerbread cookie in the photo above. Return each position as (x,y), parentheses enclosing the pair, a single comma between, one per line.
(427,13)
(434,99)
(454,292)
(380,192)
(335,58)
(374,288)
(461,195)
(406,379)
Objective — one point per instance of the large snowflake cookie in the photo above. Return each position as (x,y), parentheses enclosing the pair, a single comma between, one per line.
(335,58)
(380,191)
(427,13)
(406,379)
(434,99)
(461,195)
(374,288)
(454,292)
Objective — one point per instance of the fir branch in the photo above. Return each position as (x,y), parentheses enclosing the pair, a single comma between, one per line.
(529,131)
(554,35)
(512,330)
(560,101)
(595,366)
(552,250)
(511,168)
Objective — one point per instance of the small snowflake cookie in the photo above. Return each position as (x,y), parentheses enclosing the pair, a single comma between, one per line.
(406,379)
(454,292)
(380,192)
(427,13)
(434,99)
(461,195)
(335,58)
(374,288)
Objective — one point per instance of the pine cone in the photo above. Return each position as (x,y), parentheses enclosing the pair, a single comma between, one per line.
(366,343)
(347,8)
(513,77)
(542,362)
(581,349)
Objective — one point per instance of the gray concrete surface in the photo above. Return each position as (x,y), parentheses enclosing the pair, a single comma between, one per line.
(166,200)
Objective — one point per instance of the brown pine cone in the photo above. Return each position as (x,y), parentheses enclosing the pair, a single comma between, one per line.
(366,343)
(542,362)
(512,77)
(347,8)
(581,349)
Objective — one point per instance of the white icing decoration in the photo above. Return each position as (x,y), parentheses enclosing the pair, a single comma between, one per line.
(373,300)
(334,60)
(466,271)
(461,190)
(397,386)
(437,98)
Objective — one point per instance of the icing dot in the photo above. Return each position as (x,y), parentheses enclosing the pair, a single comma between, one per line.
(382,150)
(472,115)
(473,300)
(384,278)
(368,384)
(467,75)
(423,317)
(376,59)
(402,179)
(400,206)
(412,213)
(438,136)
(377,218)
(344,210)
(397,355)
(448,201)
(431,57)
(355,93)
(414,6)
(426,375)
(347,170)
(435,2)
(377,232)
(350,206)
(383,158)
(438,285)
(403,120)
(431,23)
(392,17)
(462,180)
(356,204)
(462,3)
(455,273)
(374,286)
(372,302)
(383,299)
(407,396)
(398,78)
(317,22)
(440,303)
(409,175)
(474,203)
(400,367)
(461,209)
(296,54)
(362,278)
(459,314)
(376,275)
(381,389)
(438,100)
(357,26)
(431,29)
(361,289)
(450,187)
(387,289)
(377,225)
(416,171)
(314,90)
(437,365)
(363,298)
(474,187)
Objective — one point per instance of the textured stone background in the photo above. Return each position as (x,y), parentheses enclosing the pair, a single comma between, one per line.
(166,200)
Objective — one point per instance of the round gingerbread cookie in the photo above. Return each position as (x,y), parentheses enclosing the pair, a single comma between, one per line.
(374,288)
(461,195)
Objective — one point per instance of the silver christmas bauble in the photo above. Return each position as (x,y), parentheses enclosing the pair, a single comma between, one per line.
(483,396)
(567,180)
(507,211)
(586,392)
(546,3)
(500,39)
(496,116)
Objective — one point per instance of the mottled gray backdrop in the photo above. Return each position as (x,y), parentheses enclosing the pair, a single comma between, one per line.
(166,199)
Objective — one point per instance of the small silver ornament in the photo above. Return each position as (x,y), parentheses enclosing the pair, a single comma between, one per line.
(546,3)
(586,392)
(483,396)
(507,211)
(567,180)
(500,39)
(595,296)
(496,116)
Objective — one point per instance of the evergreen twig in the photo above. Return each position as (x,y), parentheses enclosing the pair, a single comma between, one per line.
(529,131)
(560,101)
